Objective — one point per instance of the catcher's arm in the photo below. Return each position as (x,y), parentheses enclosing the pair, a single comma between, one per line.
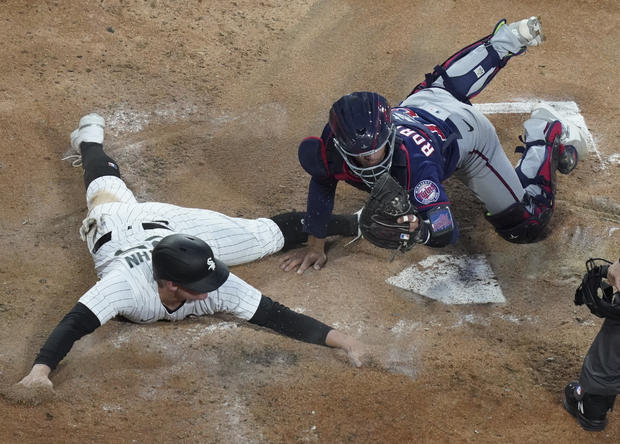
(440,228)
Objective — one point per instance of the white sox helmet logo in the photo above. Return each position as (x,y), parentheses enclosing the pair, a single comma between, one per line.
(210,264)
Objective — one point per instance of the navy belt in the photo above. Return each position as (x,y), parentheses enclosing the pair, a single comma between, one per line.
(145,225)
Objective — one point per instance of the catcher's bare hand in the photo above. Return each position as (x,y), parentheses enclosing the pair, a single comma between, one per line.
(312,256)
(412,219)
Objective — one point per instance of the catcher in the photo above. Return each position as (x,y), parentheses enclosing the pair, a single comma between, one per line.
(594,395)
(433,134)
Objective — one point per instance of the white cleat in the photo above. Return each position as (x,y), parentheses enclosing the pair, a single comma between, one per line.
(90,129)
(528,31)
(571,133)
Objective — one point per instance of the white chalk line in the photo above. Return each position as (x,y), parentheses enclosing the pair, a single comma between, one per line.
(569,109)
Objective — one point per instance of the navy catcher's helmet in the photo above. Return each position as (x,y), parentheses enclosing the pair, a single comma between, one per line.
(188,262)
(362,125)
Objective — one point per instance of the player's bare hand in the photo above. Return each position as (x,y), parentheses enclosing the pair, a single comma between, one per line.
(357,352)
(613,274)
(312,256)
(38,377)
(412,219)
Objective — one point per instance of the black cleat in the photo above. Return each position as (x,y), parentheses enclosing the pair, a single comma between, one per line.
(573,404)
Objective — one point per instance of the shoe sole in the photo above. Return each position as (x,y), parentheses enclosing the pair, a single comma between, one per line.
(91,119)
(530,30)
(534,26)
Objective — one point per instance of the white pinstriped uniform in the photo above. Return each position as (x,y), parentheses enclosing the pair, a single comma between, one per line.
(124,266)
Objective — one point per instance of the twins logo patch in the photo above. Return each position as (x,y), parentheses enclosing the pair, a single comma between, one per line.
(426,192)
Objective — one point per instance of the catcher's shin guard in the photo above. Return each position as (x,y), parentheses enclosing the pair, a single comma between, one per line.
(518,225)
(540,161)
(468,71)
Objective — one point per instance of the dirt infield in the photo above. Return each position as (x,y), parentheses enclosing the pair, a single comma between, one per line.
(206,102)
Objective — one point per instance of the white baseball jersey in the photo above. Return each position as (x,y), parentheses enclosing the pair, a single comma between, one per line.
(123,263)
(129,290)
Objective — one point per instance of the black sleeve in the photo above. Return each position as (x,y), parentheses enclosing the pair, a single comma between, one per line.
(79,322)
(282,319)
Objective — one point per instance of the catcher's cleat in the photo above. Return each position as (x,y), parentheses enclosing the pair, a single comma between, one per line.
(571,132)
(528,31)
(90,129)
(573,404)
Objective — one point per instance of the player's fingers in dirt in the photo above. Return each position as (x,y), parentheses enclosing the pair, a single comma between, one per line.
(303,258)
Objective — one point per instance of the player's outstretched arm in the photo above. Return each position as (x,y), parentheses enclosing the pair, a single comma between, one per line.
(79,322)
(277,317)
(38,377)
(613,274)
(303,258)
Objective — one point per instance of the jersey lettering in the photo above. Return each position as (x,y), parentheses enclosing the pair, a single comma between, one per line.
(137,258)
(427,149)
(418,139)
(408,132)
(425,146)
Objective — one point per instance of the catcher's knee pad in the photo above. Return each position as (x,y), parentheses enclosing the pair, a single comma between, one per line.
(519,225)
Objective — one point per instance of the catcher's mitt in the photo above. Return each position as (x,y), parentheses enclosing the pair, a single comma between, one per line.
(597,294)
(388,201)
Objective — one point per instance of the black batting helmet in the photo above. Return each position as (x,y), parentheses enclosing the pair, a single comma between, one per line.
(188,262)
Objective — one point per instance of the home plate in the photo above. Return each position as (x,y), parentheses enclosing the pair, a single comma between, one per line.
(451,280)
